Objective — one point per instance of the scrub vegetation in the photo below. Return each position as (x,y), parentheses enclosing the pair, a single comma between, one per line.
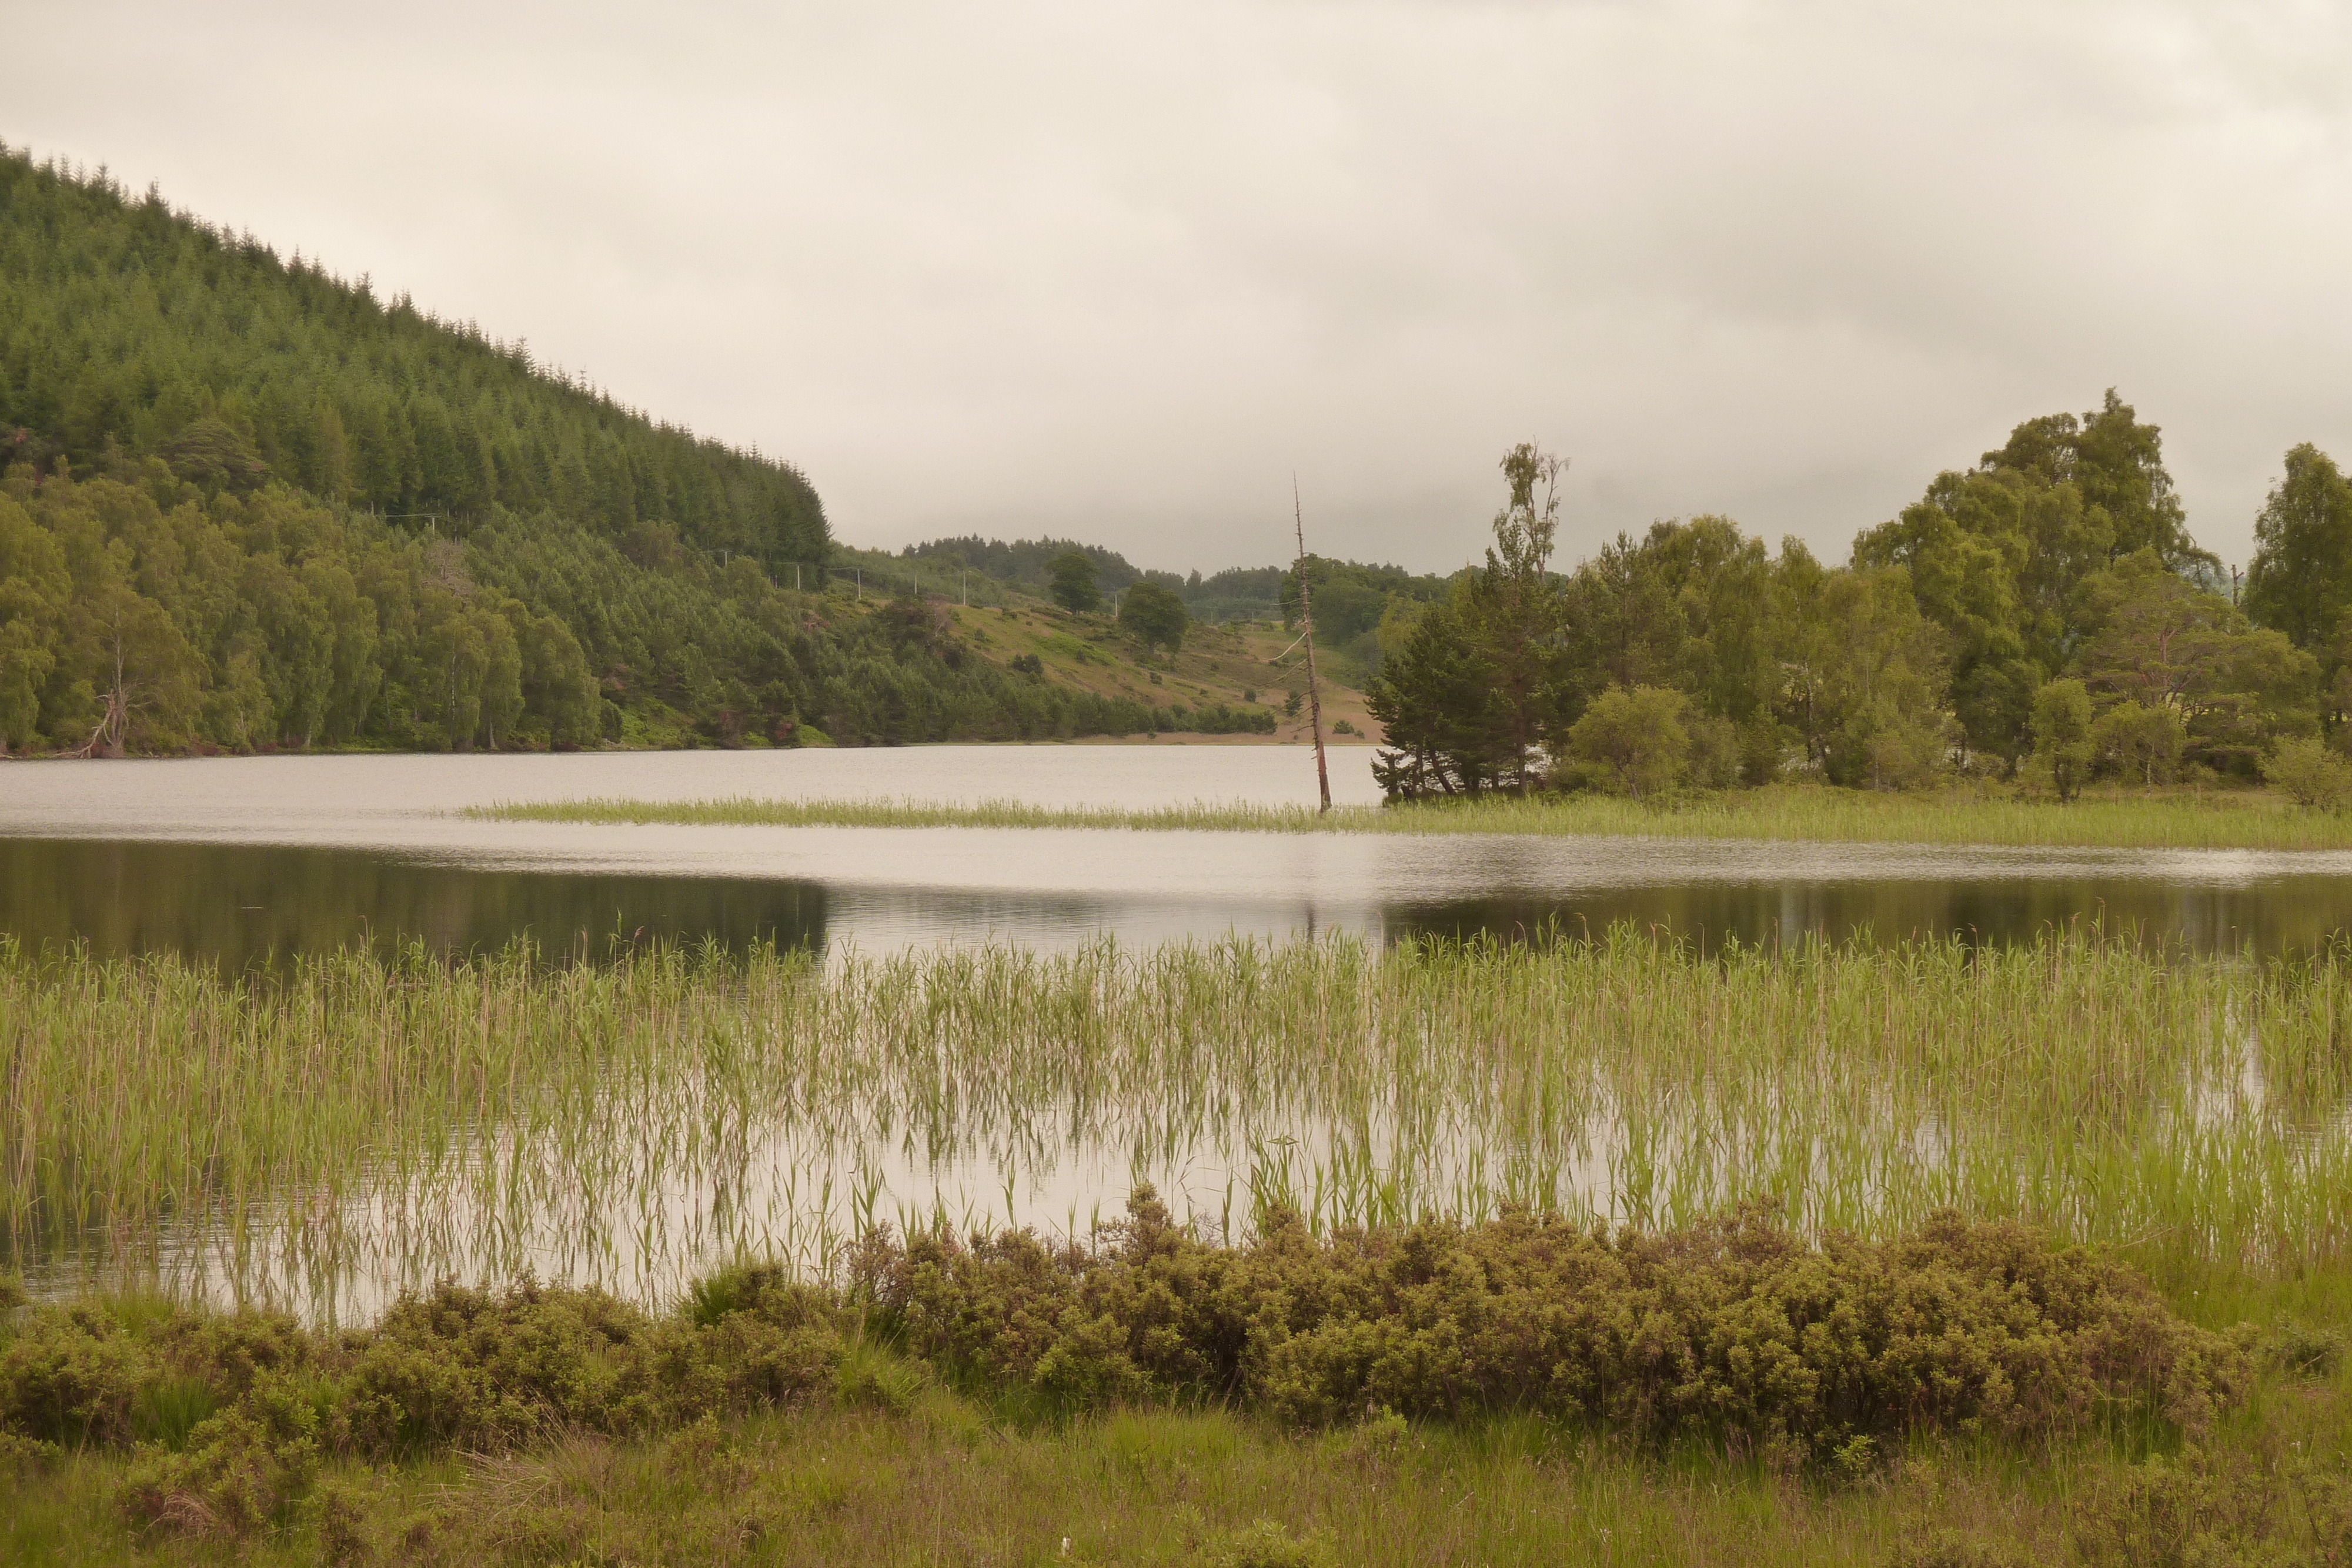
(1733,1343)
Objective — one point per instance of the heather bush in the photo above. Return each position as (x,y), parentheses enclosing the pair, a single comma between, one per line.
(238,1470)
(74,1377)
(1739,1330)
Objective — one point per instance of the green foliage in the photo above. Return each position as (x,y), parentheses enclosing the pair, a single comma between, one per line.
(1734,1328)
(237,1472)
(1435,699)
(1471,694)
(2140,742)
(2150,636)
(1070,582)
(1864,668)
(482,1369)
(2300,581)
(1352,600)
(2309,774)
(126,328)
(1742,1328)
(1479,690)
(2063,556)
(246,509)
(1635,742)
(2061,735)
(1153,616)
(2223,1504)
(243,623)
(1996,553)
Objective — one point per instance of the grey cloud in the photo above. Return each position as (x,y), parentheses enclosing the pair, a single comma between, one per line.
(1118,269)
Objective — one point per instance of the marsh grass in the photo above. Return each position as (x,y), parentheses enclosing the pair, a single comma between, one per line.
(862,1453)
(1169,1488)
(2238,820)
(357,1125)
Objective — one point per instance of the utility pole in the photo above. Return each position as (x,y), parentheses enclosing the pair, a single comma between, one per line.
(1306,617)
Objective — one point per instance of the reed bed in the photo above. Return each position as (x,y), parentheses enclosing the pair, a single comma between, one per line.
(357,1125)
(2182,821)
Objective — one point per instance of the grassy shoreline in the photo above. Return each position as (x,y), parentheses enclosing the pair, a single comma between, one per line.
(2180,821)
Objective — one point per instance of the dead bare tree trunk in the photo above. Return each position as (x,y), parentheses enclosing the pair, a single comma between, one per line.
(115,724)
(106,740)
(1306,619)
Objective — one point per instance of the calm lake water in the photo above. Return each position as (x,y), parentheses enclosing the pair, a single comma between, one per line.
(248,860)
(245,859)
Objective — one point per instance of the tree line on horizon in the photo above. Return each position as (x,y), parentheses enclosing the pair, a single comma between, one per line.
(244,505)
(2043,616)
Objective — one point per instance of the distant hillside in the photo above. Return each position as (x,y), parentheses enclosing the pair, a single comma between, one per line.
(1354,593)
(246,506)
(128,328)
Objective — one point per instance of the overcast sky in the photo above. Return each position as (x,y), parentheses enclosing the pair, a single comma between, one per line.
(1114,270)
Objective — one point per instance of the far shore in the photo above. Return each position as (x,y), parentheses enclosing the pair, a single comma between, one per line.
(2184,818)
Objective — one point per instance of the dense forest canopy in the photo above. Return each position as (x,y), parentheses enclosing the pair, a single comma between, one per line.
(125,326)
(2045,614)
(247,506)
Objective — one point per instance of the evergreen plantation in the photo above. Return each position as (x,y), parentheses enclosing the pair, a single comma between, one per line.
(246,504)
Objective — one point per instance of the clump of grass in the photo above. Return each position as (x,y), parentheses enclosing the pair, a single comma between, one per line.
(2202,820)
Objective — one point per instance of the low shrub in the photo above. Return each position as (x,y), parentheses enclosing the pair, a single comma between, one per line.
(1737,1327)
(1737,1330)
(2307,773)
(74,1377)
(239,1469)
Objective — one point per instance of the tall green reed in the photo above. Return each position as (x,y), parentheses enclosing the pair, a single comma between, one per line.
(360,1123)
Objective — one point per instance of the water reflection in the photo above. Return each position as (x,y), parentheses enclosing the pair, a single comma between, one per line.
(243,904)
(240,858)
(2281,916)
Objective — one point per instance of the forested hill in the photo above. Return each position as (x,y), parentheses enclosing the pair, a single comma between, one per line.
(245,506)
(127,325)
